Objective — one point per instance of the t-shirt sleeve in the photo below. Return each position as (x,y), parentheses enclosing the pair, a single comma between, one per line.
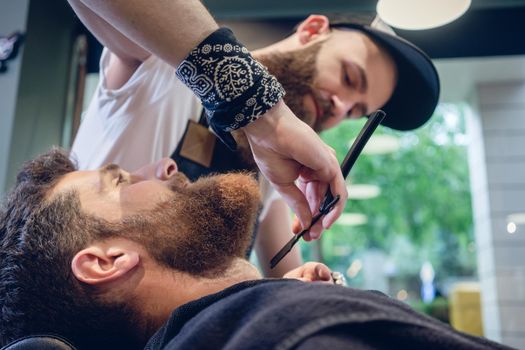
(138,123)
(151,79)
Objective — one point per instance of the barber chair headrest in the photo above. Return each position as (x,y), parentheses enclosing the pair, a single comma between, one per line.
(39,342)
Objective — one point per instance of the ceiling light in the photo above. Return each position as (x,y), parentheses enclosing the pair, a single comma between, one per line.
(352,219)
(380,144)
(420,14)
(363,191)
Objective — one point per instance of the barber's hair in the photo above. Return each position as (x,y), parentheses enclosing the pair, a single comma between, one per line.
(39,235)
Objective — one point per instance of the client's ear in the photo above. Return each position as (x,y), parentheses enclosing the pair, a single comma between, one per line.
(313,27)
(104,262)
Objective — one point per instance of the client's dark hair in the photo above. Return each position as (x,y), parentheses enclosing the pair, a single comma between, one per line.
(39,236)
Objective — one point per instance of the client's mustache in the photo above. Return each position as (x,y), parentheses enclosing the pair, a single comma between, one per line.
(178,182)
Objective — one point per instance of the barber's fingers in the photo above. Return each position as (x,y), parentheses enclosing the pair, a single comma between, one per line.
(315,192)
(337,187)
(285,148)
(320,164)
(310,192)
(296,225)
(297,228)
(295,198)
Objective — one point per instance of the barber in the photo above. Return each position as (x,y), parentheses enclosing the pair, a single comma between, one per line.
(285,149)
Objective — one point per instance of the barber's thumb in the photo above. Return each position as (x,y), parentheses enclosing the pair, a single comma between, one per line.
(296,225)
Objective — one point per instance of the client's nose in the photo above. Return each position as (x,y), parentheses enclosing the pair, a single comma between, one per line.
(166,167)
(161,170)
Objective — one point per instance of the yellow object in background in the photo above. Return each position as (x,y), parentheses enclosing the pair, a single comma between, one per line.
(465,308)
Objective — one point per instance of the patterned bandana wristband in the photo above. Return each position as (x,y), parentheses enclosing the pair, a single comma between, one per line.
(234,88)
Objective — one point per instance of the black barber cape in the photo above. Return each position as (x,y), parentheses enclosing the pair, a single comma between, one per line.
(289,314)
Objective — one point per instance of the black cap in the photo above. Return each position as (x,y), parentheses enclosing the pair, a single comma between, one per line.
(417,91)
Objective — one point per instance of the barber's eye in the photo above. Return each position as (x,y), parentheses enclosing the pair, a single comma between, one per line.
(346,78)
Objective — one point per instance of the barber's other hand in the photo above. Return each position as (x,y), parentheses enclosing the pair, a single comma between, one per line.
(286,149)
(311,272)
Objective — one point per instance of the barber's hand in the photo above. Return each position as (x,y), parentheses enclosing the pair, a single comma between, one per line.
(311,272)
(286,149)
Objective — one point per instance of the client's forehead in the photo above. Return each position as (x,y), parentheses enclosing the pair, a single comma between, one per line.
(80,180)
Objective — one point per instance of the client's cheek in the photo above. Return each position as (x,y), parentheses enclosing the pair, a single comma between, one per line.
(143,196)
(102,208)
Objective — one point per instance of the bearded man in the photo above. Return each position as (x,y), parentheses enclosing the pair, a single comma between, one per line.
(116,260)
(141,112)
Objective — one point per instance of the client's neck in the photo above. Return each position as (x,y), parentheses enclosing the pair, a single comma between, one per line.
(240,270)
(167,290)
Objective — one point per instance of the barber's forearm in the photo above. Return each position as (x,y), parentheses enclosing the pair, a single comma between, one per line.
(169,29)
(274,232)
(292,260)
(126,49)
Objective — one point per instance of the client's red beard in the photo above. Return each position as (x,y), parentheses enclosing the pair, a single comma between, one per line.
(203,227)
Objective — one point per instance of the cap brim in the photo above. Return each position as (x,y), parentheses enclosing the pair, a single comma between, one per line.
(417,91)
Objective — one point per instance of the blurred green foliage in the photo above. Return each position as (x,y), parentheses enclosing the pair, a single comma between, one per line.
(438,308)
(424,210)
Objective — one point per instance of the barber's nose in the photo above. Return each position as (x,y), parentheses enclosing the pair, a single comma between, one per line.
(161,170)
(341,107)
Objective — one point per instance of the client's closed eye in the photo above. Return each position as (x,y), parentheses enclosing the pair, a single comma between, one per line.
(121,178)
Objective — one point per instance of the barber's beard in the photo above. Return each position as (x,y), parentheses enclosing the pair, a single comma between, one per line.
(203,227)
(296,71)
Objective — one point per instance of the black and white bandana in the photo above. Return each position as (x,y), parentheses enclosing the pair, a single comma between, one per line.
(233,87)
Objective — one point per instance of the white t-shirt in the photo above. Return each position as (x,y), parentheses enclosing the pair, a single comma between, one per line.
(137,124)
(141,122)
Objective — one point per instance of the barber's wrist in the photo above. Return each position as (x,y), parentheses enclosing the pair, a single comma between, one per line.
(268,124)
(234,88)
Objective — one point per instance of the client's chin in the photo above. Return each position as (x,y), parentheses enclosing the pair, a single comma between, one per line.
(204,227)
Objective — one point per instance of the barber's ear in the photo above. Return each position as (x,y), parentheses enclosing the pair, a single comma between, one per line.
(313,27)
(103,263)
